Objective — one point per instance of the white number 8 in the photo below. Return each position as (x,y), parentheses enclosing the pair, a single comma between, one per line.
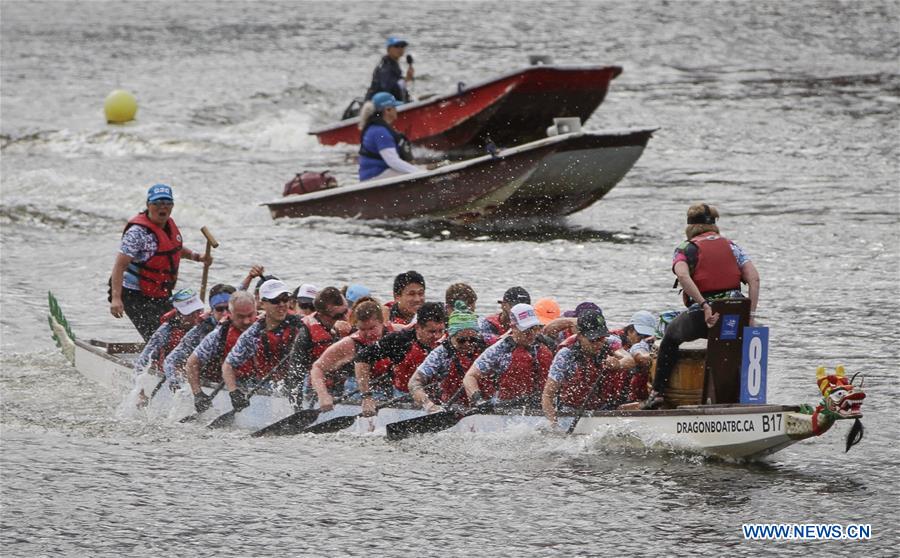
(754,368)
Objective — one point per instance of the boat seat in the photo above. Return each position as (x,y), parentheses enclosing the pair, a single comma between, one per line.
(722,378)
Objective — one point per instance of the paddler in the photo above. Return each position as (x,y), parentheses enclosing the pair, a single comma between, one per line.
(318,331)
(146,267)
(448,363)
(175,324)
(708,266)
(388,76)
(205,363)
(495,325)
(592,355)
(330,374)
(265,346)
(406,350)
(409,296)
(305,298)
(517,364)
(218,305)
(383,151)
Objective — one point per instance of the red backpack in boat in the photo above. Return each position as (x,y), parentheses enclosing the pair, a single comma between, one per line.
(306,182)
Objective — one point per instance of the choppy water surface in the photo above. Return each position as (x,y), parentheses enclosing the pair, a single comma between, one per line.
(782,114)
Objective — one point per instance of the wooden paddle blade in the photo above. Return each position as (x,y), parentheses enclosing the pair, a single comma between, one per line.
(223,420)
(330,426)
(423,425)
(289,426)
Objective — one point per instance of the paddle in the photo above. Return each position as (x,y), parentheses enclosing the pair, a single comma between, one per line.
(195,416)
(339,423)
(443,420)
(294,424)
(228,418)
(585,402)
(210,244)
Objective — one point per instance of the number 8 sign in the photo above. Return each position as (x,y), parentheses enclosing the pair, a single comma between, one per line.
(753,365)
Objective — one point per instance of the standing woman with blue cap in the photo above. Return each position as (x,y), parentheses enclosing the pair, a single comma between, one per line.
(146,267)
(383,151)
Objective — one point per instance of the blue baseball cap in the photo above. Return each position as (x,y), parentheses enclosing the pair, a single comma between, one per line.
(384,100)
(396,42)
(159,192)
(356,292)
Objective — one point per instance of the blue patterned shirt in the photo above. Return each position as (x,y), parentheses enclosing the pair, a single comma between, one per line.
(436,365)
(566,360)
(156,344)
(140,244)
(176,359)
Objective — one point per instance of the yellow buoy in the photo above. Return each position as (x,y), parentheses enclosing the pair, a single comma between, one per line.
(120,106)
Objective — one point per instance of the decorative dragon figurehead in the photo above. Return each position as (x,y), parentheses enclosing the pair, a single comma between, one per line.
(842,400)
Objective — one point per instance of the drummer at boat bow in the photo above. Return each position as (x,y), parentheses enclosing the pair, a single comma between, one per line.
(388,76)
(409,296)
(517,364)
(708,266)
(448,363)
(146,267)
(406,350)
(205,363)
(592,357)
(219,296)
(175,324)
(262,352)
(383,151)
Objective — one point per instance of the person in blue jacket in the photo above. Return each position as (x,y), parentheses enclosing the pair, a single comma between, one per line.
(383,151)
(388,76)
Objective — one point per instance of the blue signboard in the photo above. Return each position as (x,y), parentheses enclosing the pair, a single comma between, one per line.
(754,359)
(729,327)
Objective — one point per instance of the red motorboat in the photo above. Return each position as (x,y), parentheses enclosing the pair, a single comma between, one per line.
(513,109)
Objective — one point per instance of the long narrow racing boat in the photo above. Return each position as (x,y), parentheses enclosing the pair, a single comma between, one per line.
(553,176)
(731,431)
(509,110)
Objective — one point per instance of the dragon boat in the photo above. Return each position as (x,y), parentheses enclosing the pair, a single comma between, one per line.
(725,430)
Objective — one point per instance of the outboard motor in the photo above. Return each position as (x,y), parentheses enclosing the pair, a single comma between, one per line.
(306,182)
(539,60)
(352,109)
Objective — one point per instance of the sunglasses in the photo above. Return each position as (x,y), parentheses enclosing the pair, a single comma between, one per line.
(223,308)
(339,314)
(467,340)
(161,203)
(283,299)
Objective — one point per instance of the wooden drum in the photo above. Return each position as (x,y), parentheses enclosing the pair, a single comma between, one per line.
(686,383)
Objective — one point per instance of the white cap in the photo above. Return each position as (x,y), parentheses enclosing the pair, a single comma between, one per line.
(523,317)
(272,289)
(189,305)
(307,291)
(644,323)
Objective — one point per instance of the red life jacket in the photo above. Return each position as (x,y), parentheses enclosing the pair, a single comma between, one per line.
(382,366)
(587,369)
(404,369)
(394,314)
(459,365)
(494,320)
(157,275)
(272,346)
(320,336)
(525,374)
(717,269)
(212,369)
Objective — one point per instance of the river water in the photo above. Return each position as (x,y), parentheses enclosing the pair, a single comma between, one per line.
(782,114)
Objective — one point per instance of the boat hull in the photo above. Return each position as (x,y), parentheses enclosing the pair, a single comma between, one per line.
(550,177)
(512,109)
(578,174)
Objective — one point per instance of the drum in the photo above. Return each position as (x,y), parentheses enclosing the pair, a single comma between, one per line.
(686,383)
